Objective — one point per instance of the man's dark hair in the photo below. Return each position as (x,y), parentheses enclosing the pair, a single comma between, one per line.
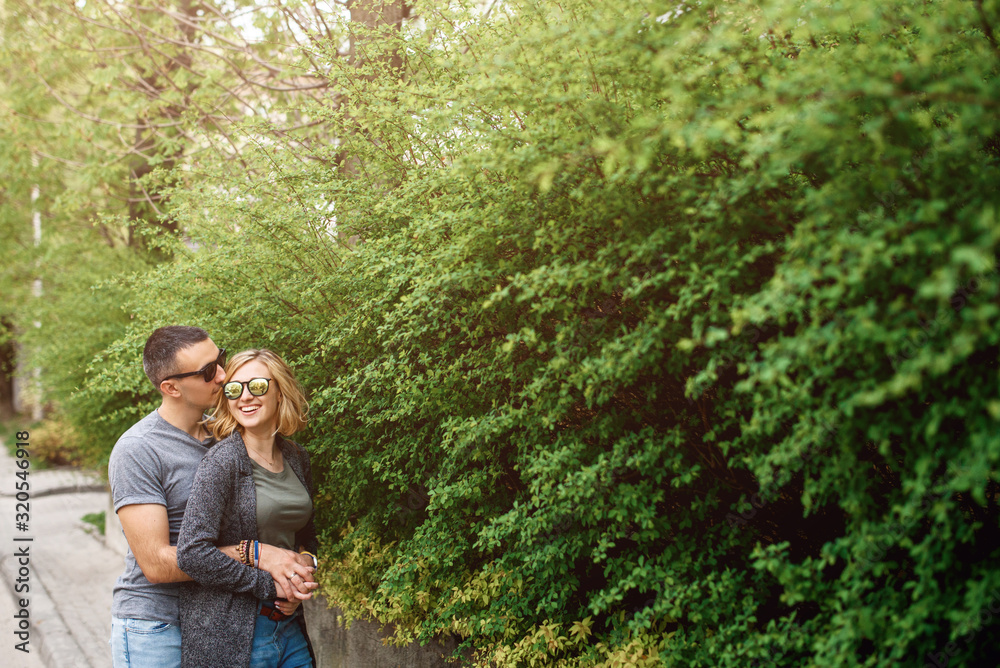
(159,357)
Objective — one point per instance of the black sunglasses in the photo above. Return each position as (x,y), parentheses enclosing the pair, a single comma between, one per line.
(208,372)
(258,387)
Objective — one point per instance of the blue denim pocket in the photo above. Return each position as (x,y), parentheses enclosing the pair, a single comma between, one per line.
(145,643)
(146,626)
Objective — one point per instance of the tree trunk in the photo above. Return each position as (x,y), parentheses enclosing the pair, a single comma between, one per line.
(145,204)
(375,14)
(7,366)
(370,15)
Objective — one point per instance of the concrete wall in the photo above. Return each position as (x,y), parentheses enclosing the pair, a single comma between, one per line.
(361,646)
(335,646)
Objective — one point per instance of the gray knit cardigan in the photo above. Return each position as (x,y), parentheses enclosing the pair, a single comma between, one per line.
(219,609)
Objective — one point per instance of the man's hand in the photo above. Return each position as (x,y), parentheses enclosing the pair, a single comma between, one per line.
(287,607)
(292,572)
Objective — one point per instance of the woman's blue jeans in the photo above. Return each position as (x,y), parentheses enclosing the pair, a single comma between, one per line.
(280,644)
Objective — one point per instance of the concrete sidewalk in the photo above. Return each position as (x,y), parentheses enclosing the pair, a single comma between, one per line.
(70,572)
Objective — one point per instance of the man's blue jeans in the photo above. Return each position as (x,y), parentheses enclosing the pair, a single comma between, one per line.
(280,644)
(141,643)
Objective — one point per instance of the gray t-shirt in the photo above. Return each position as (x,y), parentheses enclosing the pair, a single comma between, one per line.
(153,462)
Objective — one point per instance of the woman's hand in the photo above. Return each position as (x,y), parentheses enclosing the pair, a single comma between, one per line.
(292,578)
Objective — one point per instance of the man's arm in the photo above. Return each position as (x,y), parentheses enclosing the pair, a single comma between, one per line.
(147,531)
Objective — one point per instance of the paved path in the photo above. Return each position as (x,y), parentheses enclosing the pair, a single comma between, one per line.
(8,655)
(70,571)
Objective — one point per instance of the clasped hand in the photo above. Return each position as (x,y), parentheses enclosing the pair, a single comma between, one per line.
(292,573)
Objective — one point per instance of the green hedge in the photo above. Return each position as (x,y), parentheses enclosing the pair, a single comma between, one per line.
(668,340)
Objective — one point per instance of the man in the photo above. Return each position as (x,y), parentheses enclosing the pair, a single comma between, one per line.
(151,470)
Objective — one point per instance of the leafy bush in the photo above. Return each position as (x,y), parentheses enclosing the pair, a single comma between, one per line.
(54,442)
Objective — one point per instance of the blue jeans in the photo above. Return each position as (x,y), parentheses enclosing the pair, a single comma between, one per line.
(141,643)
(280,644)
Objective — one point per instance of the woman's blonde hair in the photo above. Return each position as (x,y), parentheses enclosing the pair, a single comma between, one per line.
(292,409)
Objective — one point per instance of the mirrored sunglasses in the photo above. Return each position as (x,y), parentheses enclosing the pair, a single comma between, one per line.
(257,386)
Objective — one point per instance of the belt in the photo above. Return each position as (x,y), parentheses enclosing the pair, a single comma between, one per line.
(273,614)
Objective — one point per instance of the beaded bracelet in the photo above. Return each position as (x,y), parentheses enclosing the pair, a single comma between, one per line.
(249,552)
(241,551)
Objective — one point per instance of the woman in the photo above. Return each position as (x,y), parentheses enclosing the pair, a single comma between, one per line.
(253,485)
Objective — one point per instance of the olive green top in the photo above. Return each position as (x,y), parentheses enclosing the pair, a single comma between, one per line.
(283,506)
